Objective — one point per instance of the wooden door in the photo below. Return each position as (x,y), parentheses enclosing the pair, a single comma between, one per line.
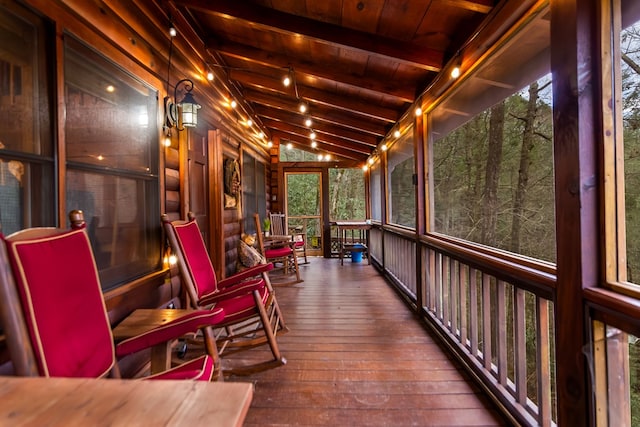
(198,181)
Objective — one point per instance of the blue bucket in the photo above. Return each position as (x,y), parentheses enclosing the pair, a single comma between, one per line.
(356,254)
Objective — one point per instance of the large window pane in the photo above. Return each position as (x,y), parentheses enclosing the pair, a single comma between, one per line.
(630,65)
(27,191)
(253,191)
(112,168)
(346,194)
(401,169)
(375,190)
(492,161)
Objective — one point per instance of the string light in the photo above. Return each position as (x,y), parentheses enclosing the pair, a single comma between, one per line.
(396,134)
(210,76)
(314,144)
(308,122)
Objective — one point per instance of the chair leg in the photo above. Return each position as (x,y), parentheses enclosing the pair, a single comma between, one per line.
(295,263)
(212,350)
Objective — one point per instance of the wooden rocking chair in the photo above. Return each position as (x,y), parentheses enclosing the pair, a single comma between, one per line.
(253,317)
(278,249)
(299,236)
(54,315)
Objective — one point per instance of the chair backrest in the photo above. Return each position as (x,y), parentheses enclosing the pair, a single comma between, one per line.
(56,283)
(197,271)
(278,224)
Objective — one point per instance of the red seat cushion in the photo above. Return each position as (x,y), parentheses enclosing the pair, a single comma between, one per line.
(242,307)
(63,304)
(196,257)
(277,252)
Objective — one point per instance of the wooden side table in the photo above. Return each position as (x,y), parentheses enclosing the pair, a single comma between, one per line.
(141,321)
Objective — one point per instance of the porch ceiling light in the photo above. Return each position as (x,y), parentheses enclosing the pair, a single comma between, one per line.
(185,112)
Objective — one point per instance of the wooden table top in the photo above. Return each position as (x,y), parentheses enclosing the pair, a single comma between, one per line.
(110,402)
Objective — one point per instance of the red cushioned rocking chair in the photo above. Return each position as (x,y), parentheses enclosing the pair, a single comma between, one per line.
(253,317)
(54,315)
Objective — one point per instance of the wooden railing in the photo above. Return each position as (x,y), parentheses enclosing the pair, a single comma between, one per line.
(493,310)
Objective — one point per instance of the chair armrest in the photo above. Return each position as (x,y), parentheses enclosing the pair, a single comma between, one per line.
(188,323)
(241,289)
(249,273)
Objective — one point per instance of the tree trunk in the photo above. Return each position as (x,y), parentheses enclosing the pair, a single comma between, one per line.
(492,175)
(523,172)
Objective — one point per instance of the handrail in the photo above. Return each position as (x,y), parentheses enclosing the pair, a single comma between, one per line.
(493,311)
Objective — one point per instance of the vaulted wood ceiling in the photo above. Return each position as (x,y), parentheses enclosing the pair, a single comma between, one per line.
(357,64)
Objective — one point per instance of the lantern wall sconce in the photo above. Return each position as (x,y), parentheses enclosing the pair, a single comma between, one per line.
(185,112)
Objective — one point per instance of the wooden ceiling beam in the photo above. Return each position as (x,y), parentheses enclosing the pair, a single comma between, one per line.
(334,35)
(303,132)
(317,113)
(305,145)
(335,72)
(480,6)
(337,131)
(351,105)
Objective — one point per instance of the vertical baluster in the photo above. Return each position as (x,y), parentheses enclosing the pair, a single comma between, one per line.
(438,286)
(473,310)
(501,323)
(520,343)
(487,336)
(454,286)
(543,362)
(462,270)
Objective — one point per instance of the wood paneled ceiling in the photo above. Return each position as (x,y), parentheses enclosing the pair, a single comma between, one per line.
(357,64)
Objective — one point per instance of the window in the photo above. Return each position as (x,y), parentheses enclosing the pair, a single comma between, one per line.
(492,152)
(254,198)
(27,184)
(346,194)
(375,190)
(288,153)
(629,40)
(112,163)
(401,171)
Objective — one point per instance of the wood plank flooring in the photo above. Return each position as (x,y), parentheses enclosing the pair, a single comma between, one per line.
(357,356)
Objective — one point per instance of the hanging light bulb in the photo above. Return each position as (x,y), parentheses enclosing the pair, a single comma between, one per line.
(312,135)
(234,104)
(320,156)
(308,122)
(365,167)
(455,72)
(172,31)
(327,156)
(303,107)
(210,76)
(270,144)
(418,111)
(384,147)
(289,146)
(396,134)
(286,81)
(371,160)
(314,144)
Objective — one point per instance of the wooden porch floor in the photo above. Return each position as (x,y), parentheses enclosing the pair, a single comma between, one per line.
(356,355)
